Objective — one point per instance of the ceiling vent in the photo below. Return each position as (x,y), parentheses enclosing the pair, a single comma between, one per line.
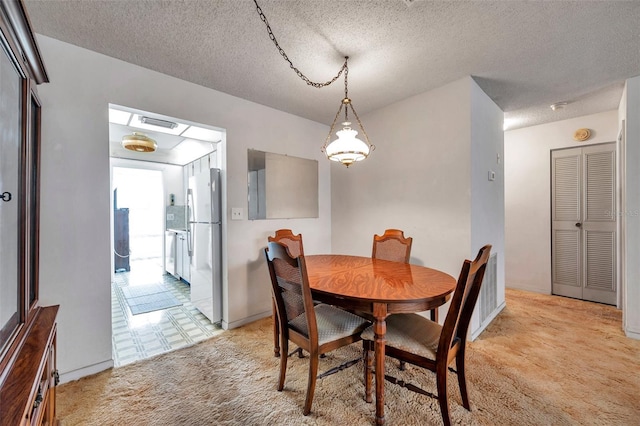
(158,122)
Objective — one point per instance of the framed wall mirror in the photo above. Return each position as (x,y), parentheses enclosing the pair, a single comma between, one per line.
(281,186)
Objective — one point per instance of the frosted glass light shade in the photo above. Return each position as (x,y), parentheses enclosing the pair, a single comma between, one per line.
(347,149)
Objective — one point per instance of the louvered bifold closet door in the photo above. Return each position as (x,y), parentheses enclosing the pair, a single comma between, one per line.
(599,224)
(583,207)
(566,265)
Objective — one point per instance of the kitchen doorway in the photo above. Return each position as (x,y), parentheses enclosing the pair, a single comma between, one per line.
(151,310)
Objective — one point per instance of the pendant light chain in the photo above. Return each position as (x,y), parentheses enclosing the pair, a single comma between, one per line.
(347,149)
(346,74)
(286,58)
(346,100)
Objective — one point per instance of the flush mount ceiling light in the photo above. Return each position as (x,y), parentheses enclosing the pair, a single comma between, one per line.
(139,142)
(347,149)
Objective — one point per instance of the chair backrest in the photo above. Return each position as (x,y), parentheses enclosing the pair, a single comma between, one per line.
(291,241)
(290,288)
(464,299)
(392,245)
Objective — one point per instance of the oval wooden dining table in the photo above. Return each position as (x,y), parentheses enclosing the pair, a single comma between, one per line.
(379,288)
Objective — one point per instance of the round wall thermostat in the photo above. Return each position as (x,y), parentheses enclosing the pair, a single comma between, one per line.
(582,134)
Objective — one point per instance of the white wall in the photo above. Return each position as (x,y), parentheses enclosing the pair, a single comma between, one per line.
(75,192)
(630,112)
(419,178)
(621,189)
(487,196)
(527,194)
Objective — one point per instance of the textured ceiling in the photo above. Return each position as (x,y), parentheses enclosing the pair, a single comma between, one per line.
(525,55)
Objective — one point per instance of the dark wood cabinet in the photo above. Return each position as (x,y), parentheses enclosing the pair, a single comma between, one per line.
(121,248)
(28,373)
(28,390)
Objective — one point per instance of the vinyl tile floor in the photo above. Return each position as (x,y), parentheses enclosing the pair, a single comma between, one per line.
(141,336)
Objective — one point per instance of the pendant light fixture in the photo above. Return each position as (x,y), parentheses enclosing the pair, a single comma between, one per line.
(347,148)
(139,142)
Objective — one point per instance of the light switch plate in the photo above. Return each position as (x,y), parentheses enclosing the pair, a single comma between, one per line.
(237,213)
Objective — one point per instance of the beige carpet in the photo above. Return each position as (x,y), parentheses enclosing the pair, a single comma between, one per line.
(544,361)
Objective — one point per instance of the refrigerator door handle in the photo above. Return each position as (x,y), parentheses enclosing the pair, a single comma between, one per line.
(190,206)
(190,220)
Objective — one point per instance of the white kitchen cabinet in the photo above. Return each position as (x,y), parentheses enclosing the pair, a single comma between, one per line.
(182,258)
(170,241)
(177,260)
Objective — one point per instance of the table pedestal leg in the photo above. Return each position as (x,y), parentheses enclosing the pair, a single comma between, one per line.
(379,329)
(434,315)
(369,354)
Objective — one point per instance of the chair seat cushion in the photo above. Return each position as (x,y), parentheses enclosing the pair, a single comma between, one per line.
(333,323)
(410,333)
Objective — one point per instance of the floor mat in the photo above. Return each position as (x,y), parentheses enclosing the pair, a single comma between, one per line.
(148,298)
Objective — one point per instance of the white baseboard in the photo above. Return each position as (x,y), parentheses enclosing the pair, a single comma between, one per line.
(632,334)
(531,289)
(70,376)
(244,321)
(487,321)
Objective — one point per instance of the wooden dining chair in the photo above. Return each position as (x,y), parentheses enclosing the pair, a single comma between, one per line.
(392,245)
(293,243)
(416,340)
(317,329)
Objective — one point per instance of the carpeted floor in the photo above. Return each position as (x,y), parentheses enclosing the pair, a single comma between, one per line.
(544,361)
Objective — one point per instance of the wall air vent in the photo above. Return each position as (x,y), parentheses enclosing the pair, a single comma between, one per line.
(158,122)
(489,289)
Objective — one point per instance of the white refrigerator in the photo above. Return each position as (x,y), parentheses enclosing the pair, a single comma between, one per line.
(204,238)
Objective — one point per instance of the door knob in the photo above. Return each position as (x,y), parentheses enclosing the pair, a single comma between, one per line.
(578,224)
